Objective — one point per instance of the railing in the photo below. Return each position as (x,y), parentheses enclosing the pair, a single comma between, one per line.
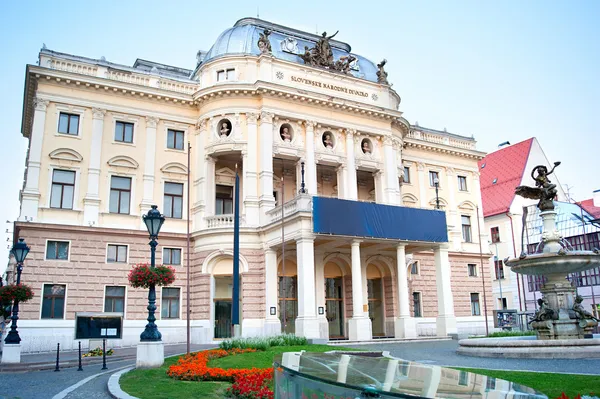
(176,86)
(442,139)
(222,221)
(128,77)
(69,66)
(302,203)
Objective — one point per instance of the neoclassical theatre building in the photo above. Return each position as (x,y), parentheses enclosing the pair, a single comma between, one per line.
(365,249)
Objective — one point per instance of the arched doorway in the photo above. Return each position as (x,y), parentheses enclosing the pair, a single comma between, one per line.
(287,288)
(222,273)
(375,296)
(334,300)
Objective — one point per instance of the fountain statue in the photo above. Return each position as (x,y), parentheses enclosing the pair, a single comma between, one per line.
(560,314)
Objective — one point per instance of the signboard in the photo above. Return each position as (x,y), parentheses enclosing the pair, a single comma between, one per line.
(506,318)
(90,325)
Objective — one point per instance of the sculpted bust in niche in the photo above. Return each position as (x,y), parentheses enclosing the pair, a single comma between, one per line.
(327,142)
(224,129)
(285,134)
(366,147)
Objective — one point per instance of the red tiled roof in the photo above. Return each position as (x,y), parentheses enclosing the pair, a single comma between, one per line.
(588,206)
(506,166)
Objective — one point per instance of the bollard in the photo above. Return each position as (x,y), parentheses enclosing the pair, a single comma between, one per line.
(80,368)
(104,355)
(57,356)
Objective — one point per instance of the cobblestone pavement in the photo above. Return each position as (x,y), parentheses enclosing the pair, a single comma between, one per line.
(443,353)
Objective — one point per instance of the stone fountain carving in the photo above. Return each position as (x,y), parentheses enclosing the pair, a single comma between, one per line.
(560,314)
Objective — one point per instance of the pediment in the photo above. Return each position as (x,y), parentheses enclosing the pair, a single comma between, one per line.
(409,198)
(66,154)
(467,205)
(175,167)
(123,161)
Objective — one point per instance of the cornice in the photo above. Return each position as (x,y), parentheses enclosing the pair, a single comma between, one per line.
(443,149)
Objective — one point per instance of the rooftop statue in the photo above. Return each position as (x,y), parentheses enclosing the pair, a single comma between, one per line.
(263,42)
(544,190)
(322,55)
(382,74)
(343,64)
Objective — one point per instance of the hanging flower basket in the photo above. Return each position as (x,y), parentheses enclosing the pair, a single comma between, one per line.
(143,276)
(10,293)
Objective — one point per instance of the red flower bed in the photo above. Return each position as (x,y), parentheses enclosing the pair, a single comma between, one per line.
(143,276)
(247,383)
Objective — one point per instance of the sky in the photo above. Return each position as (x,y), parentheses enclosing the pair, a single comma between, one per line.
(499,71)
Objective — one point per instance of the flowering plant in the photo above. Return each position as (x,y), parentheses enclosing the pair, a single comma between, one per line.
(143,276)
(20,292)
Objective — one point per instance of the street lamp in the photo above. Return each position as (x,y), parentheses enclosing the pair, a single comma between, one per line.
(154,221)
(436,183)
(19,251)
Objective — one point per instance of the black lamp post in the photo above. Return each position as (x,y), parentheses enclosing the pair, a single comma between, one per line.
(436,183)
(154,221)
(302,186)
(20,251)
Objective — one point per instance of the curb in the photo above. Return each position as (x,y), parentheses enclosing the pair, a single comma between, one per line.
(114,389)
(40,366)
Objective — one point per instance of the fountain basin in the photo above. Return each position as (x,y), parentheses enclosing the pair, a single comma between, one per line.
(530,348)
(552,263)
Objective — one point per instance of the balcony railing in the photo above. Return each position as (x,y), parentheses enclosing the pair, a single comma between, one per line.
(302,203)
(222,221)
(446,139)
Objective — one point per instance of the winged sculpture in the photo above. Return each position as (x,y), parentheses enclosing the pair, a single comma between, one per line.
(544,190)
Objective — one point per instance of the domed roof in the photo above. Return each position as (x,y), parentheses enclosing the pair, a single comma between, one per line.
(286,44)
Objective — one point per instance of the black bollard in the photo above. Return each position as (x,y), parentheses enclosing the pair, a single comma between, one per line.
(104,355)
(57,357)
(80,368)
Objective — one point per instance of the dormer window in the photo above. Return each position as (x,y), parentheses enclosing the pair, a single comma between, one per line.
(226,74)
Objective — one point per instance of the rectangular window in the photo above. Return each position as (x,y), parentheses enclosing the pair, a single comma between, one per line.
(57,250)
(502,303)
(495,233)
(226,74)
(171,256)
(417,304)
(462,183)
(472,269)
(63,186)
(175,139)
(406,174)
(490,383)
(53,301)
(173,203)
(124,132)
(414,268)
(116,253)
(120,194)
(114,299)
(275,196)
(68,124)
(224,200)
(466,228)
(434,178)
(499,268)
(475,311)
(170,303)
(463,378)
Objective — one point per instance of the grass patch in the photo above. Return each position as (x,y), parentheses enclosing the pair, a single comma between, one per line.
(263,343)
(551,384)
(499,334)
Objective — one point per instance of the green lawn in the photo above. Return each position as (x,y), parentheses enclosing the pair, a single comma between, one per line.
(155,384)
(551,384)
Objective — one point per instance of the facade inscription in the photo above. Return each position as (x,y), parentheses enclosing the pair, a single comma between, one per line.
(329,86)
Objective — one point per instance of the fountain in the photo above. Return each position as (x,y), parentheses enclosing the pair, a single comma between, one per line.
(561,322)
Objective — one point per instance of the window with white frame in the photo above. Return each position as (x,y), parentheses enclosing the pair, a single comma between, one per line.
(57,250)
(417,304)
(223,200)
(225,74)
(462,183)
(63,187)
(114,299)
(472,269)
(53,301)
(475,309)
(116,253)
(124,132)
(120,194)
(68,124)
(406,175)
(173,202)
(495,233)
(172,256)
(175,139)
(466,228)
(434,178)
(170,303)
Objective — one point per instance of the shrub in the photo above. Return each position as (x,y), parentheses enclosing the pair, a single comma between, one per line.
(20,292)
(263,343)
(143,276)
(500,334)
(97,352)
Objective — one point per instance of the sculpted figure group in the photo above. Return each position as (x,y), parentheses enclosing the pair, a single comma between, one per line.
(544,190)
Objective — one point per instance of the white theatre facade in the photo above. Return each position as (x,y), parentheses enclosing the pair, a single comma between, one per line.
(107,141)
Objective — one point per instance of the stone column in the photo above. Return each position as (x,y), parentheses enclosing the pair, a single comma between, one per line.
(30,197)
(199,207)
(266,199)
(452,214)
(359,326)
(272,322)
(392,185)
(446,321)
(149,165)
(380,196)
(307,324)
(351,188)
(210,187)
(310,168)
(251,204)
(320,295)
(405,324)
(91,201)
(341,181)
(423,185)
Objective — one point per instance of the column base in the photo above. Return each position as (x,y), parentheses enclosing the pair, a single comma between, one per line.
(446,325)
(360,329)
(323,328)
(405,327)
(150,355)
(11,353)
(272,327)
(307,327)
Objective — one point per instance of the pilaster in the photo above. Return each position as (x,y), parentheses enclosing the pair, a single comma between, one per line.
(199,208)
(310,166)
(320,294)
(405,326)
(351,188)
(359,326)
(452,214)
(250,162)
(210,187)
(149,164)
(392,184)
(266,199)
(272,322)
(423,185)
(307,324)
(446,321)
(91,202)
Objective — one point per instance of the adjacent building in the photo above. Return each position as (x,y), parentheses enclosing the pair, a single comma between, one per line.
(355,224)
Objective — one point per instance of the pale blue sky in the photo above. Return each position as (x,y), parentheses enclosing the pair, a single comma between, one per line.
(499,71)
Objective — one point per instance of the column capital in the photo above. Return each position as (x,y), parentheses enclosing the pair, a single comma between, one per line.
(442,247)
(98,113)
(356,242)
(401,245)
(350,133)
(305,240)
(210,159)
(420,166)
(266,117)
(40,104)
(151,121)
(450,171)
(252,118)
(201,124)
(387,140)
(310,124)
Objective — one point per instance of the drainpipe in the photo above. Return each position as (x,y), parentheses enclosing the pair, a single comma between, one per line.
(512,230)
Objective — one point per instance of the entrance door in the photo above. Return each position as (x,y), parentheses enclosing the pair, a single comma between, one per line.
(222,318)
(375,293)
(334,303)
(288,303)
